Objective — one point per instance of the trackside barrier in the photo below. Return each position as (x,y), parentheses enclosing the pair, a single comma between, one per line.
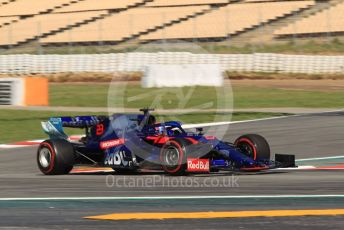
(11,91)
(182,75)
(5,92)
(24,91)
(136,61)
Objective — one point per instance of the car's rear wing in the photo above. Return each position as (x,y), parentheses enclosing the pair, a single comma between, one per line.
(54,126)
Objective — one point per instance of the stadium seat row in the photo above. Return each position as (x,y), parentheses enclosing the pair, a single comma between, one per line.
(88,21)
(326,21)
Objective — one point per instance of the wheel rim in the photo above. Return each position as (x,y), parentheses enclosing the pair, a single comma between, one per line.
(246,149)
(44,157)
(172,156)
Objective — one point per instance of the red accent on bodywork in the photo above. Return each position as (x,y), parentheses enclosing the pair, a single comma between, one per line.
(193,141)
(164,139)
(159,139)
(111,143)
(210,137)
(74,138)
(254,169)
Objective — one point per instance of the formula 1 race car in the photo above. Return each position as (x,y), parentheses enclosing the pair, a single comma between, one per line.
(128,142)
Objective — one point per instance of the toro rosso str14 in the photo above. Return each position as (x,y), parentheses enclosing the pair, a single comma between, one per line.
(129,142)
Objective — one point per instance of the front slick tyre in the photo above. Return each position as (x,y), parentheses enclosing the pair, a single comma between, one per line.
(55,157)
(254,146)
(173,157)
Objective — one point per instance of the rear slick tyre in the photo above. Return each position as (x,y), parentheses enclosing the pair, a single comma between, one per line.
(173,157)
(55,157)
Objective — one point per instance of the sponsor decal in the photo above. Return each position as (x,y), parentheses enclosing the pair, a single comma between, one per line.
(111,143)
(197,165)
(78,121)
(116,158)
(159,139)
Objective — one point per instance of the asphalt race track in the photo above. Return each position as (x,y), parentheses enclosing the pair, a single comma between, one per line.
(307,136)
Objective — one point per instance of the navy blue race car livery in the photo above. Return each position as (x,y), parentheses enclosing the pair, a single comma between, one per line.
(129,142)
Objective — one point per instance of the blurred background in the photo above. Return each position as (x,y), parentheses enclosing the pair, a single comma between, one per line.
(253,34)
(294,48)
(219,26)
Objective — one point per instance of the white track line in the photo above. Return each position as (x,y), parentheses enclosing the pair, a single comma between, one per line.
(175,197)
(303,167)
(190,126)
(320,158)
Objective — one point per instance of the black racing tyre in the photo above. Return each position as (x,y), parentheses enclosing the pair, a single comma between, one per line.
(254,146)
(173,156)
(55,157)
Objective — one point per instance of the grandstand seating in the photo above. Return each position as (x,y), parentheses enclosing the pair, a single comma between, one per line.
(29,28)
(3,1)
(125,24)
(230,19)
(258,1)
(184,2)
(87,5)
(92,21)
(326,21)
(5,20)
(26,7)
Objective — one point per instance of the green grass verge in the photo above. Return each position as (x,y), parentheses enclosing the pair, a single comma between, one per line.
(281,76)
(91,95)
(88,95)
(261,97)
(25,125)
(290,46)
(312,46)
(132,96)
